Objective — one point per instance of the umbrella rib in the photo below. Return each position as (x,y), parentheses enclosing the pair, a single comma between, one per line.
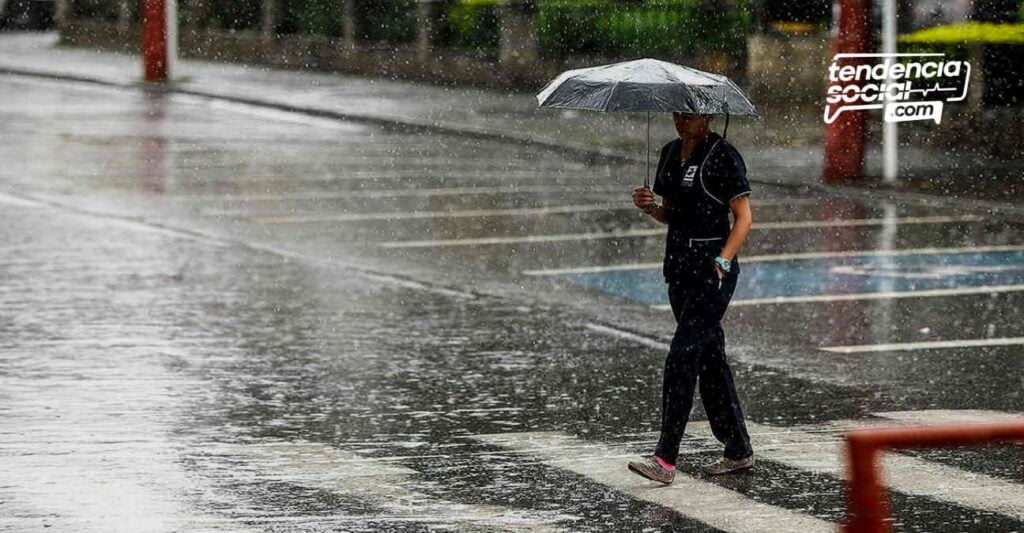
(615,85)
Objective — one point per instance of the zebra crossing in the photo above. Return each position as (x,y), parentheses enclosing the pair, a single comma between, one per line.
(814,449)
(716,506)
(820,452)
(380,482)
(396,489)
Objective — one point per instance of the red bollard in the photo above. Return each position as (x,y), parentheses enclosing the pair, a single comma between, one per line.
(866,502)
(844,138)
(154,40)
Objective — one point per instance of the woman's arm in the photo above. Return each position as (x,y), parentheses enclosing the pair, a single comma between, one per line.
(740,229)
(659,213)
(643,198)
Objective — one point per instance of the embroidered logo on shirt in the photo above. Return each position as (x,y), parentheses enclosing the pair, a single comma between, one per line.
(691,172)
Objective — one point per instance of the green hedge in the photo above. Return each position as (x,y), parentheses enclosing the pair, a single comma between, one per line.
(105,10)
(645,27)
(612,27)
(239,15)
(376,20)
(470,24)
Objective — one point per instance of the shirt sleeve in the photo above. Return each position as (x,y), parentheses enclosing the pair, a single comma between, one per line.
(731,178)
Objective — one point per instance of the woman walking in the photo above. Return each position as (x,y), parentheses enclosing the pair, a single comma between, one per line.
(701,179)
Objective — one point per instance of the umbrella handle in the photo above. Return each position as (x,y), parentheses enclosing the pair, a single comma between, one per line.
(647,177)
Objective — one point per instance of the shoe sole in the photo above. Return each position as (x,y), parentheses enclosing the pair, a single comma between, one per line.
(645,476)
(711,473)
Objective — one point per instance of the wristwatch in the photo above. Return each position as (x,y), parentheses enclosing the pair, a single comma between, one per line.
(651,209)
(723,262)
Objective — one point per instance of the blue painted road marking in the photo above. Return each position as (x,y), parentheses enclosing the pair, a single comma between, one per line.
(834,275)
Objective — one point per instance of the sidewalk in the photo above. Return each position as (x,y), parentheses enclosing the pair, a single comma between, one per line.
(783,148)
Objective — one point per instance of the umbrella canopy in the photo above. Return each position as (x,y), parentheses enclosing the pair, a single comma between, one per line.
(645,85)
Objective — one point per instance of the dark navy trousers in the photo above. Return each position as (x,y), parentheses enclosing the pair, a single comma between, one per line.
(697,355)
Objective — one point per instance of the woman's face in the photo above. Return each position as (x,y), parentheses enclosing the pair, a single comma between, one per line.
(689,124)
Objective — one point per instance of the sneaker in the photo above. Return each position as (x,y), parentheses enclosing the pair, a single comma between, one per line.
(724,465)
(650,469)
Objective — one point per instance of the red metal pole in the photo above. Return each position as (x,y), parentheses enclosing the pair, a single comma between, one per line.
(844,138)
(154,40)
(868,506)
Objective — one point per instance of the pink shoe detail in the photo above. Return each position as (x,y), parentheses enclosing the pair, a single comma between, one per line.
(663,464)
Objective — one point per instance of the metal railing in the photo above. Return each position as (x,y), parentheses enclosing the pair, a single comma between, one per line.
(868,507)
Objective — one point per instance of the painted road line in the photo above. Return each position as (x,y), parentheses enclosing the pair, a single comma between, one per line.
(387,485)
(961,291)
(718,507)
(821,452)
(597,269)
(464,213)
(639,339)
(18,201)
(453,191)
(198,236)
(526,239)
(425,192)
(932,293)
(786,257)
(654,232)
(924,345)
(952,416)
(939,219)
(418,175)
(279,115)
(395,193)
(381,277)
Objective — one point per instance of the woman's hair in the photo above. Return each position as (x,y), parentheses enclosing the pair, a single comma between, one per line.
(709,116)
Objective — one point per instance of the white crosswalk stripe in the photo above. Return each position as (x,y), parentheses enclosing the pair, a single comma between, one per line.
(925,345)
(713,505)
(447,213)
(952,416)
(378,481)
(821,452)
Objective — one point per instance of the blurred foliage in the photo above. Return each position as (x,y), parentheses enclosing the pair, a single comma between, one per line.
(609,27)
(816,12)
(968,33)
(470,24)
(385,21)
(315,17)
(238,15)
(650,27)
(391,21)
(105,10)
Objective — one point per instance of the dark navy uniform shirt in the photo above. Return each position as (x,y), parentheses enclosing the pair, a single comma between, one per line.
(697,193)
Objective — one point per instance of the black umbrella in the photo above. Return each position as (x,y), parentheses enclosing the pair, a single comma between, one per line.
(646,85)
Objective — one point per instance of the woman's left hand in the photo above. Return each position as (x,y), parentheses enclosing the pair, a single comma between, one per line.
(719,271)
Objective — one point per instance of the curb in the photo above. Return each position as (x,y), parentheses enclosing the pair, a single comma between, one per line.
(585,153)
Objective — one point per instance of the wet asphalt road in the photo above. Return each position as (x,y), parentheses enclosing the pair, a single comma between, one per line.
(221,318)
